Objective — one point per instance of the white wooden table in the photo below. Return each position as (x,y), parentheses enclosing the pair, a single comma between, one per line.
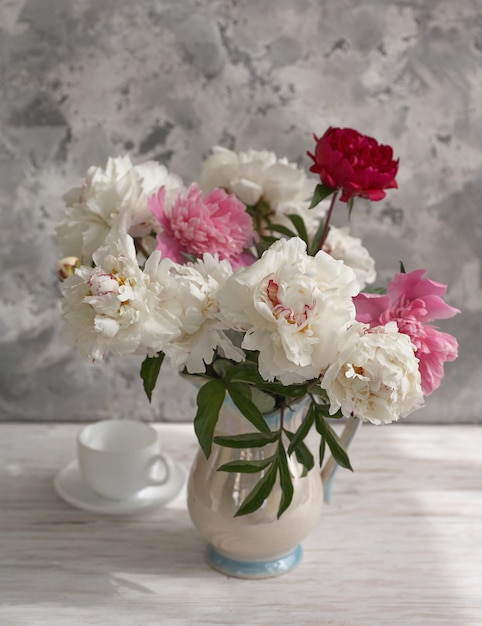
(401,542)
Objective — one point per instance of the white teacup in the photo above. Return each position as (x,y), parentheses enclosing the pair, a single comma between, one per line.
(118,458)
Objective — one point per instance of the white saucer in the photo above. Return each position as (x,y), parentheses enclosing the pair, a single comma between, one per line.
(71,487)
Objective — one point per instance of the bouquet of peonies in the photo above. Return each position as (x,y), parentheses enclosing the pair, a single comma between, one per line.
(241,280)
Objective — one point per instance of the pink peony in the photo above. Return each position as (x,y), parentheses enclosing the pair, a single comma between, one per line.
(411,302)
(194,225)
(354,163)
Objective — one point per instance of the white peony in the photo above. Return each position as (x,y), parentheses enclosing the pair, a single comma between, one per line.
(116,307)
(294,308)
(375,376)
(340,245)
(195,287)
(259,175)
(91,210)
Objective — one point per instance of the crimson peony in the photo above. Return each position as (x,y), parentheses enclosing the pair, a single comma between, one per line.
(354,163)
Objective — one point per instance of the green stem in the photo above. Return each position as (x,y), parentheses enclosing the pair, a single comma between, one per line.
(281,421)
(326,227)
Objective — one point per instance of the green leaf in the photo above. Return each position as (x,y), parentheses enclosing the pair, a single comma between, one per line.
(303,429)
(247,467)
(252,356)
(402,268)
(209,401)
(315,244)
(255,498)
(222,367)
(241,396)
(264,401)
(285,481)
(371,289)
(321,192)
(299,224)
(262,245)
(286,391)
(323,409)
(316,390)
(246,440)
(150,368)
(246,372)
(323,406)
(303,454)
(333,441)
(269,239)
(263,208)
(190,257)
(322,451)
(278,228)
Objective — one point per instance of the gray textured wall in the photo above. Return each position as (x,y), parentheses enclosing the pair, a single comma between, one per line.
(82,80)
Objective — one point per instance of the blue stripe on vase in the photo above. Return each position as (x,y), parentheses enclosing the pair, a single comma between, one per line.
(253,569)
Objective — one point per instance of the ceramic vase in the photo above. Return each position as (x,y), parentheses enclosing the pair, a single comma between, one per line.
(256,545)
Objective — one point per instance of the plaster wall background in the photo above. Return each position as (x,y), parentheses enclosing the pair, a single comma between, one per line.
(83,80)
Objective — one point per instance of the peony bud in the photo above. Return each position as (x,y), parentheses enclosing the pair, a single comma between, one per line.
(66,267)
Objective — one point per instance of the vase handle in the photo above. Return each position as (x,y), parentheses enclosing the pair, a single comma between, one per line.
(329,470)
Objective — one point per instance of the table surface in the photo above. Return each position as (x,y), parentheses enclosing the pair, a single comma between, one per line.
(399,544)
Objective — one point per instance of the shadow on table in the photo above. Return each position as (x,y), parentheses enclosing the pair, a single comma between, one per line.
(58,551)
(401,533)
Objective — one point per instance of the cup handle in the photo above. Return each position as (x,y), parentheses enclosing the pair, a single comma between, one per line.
(157,482)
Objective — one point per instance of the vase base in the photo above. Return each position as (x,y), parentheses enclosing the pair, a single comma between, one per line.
(253,569)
